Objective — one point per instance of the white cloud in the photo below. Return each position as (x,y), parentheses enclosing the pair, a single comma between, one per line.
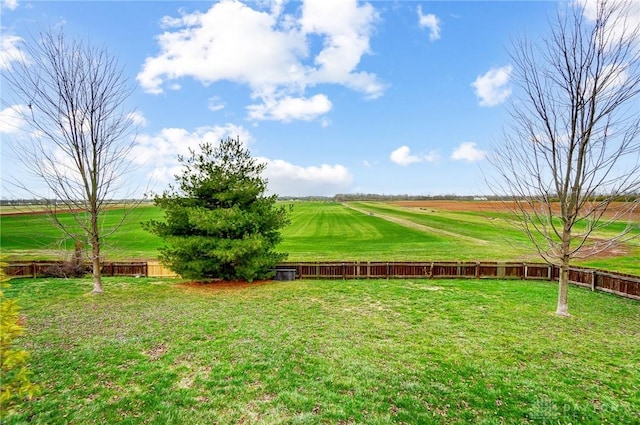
(629,11)
(491,88)
(430,21)
(11,120)
(269,52)
(623,23)
(468,152)
(158,153)
(288,108)
(230,41)
(9,51)
(287,179)
(403,156)
(137,118)
(10,4)
(215,104)
(346,28)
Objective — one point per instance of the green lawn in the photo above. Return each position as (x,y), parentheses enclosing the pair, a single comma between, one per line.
(152,351)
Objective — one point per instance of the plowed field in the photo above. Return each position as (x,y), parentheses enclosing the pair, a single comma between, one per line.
(616,208)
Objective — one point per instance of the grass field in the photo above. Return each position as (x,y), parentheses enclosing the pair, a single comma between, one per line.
(32,236)
(358,231)
(318,352)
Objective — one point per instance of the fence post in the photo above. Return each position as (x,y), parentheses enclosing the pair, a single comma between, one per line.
(594,280)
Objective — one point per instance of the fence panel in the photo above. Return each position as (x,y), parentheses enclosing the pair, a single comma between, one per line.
(487,270)
(378,270)
(19,270)
(581,277)
(538,271)
(445,269)
(624,285)
(156,269)
(409,270)
(137,269)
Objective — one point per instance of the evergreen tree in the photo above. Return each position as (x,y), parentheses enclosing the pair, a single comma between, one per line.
(218,221)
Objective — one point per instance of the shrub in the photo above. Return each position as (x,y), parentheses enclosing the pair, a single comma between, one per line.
(15,383)
(71,268)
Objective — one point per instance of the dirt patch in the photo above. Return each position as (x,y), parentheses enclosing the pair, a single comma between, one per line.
(224,285)
(156,352)
(612,251)
(618,210)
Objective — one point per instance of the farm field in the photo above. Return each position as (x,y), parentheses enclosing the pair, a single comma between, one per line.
(313,352)
(29,236)
(486,221)
(354,231)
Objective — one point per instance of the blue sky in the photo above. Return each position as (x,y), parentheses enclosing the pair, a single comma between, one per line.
(388,97)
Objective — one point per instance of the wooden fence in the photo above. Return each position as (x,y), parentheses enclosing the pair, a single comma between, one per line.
(597,280)
(55,268)
(418,270)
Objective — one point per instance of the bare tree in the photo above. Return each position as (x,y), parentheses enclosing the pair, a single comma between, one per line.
(573,149)
(73,99)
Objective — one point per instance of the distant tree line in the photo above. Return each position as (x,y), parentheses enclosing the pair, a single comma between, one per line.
(341,197)
(53,202)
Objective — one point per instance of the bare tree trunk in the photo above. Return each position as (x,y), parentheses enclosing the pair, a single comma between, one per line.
(563,288)
(565,259)
(95,257)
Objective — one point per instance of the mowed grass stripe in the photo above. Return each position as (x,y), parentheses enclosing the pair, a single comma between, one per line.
(330,231)
(427,229)
(467,224)
(322,220)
